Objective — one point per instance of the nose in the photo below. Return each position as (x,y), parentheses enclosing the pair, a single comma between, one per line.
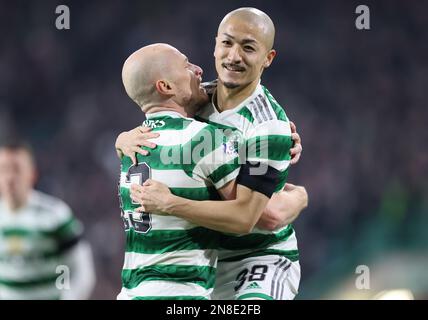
(197,70)
(234,55)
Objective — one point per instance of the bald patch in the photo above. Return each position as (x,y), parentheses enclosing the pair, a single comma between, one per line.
(143,68)
(256,19)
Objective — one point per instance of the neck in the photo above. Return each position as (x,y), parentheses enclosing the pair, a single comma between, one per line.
(14,204)
(230,98)
(167,107)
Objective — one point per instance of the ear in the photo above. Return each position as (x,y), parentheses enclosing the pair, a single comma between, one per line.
(215,46)
(269,58)
(164,88)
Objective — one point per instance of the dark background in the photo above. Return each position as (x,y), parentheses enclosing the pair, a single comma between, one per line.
(357,97)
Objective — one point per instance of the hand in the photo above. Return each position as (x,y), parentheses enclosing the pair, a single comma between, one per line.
(284,207)
(129,143)
(297,149)
(289,187)
(153,196)
(296,193)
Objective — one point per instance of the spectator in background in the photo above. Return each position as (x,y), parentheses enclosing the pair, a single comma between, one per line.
(41,253)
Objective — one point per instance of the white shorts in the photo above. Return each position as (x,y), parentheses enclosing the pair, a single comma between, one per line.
(269,277)
(165,290)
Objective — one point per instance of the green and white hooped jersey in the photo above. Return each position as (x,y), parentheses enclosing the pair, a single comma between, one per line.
(32,241)
(263,125)
(167,257)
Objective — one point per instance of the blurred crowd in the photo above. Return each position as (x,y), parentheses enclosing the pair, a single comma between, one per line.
(356,96)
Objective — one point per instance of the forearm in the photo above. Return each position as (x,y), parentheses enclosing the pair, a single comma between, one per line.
(285,216)
(283,208)
(232,216)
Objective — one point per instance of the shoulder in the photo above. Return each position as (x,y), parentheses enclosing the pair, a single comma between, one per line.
(47,205)
(262,110)
(198,127)
(278,110)
(264,116)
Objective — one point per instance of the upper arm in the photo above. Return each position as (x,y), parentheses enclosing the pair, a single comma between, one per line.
(68,231)
(268,157)
(228,191)
(252,202)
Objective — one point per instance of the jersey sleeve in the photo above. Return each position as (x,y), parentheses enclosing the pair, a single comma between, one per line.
(68,231)
(267,157)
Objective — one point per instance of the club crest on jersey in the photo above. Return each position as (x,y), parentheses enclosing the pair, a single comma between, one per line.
(153,123)
(234,140)
(15,245)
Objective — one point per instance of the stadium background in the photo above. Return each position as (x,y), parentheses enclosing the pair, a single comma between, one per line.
(357,97)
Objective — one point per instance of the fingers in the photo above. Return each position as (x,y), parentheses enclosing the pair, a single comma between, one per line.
(295,153)
(136,189)
(139,137)
(142,139)
(289,186)
(150,135)
(144,129)
(138,195)
(140,151)
(132,154)
(295,159)
(140,209)
(296,138)
(297,149)
(133,158)
(140,189)
(146,143)
(136,199)
(148,182)
(293,127)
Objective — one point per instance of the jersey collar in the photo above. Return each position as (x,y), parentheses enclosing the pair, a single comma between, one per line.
(172,114)
(258,90)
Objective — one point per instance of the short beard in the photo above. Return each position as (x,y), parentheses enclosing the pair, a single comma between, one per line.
(230,85)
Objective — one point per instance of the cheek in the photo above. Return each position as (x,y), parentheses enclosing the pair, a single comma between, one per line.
(185,94)
(217,62)
(219,54)
(256,66)
(216,51)
(28,178)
